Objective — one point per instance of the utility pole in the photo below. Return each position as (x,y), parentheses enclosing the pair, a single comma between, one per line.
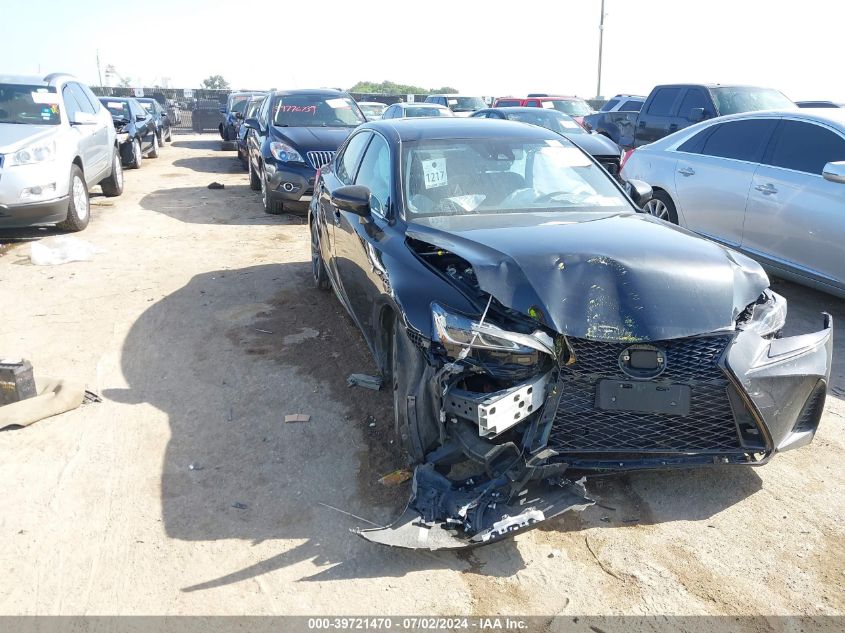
(99,74)
(601,42)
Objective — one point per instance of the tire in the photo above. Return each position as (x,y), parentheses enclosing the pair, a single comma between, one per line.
(224,132)
(318,268)
(170,134)
(154,150)
(407,378)
(113,185)
(661,206)
(254,182)
(137,154)
(79,204)
(272,207)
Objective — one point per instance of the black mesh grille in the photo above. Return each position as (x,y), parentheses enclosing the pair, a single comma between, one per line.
(581,427)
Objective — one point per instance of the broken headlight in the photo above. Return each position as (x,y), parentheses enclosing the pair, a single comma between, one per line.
(466,332)
(768,315)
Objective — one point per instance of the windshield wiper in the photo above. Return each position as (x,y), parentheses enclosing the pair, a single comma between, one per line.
(16,122)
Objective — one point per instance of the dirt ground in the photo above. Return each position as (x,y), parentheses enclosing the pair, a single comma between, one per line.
(185,492)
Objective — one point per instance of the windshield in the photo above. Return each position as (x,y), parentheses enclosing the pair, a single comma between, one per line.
(733,100)
(420,111)
(237,104)
(148,106)
(572,107)
(549,119)
(316,111)
(29,105)
(465,176)
(372,109)
(118,109)
(465,104)
(252,107)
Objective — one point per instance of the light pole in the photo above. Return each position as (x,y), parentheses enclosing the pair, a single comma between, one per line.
(601,42)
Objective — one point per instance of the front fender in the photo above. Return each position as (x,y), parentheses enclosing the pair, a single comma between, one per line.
(786,381)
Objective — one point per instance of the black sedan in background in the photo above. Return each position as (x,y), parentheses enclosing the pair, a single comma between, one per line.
(136,129)
(599,147)
(296,133)
(164,129)
(531,322)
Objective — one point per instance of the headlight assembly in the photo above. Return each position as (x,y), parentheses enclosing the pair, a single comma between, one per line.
(463,331)
(36,153)
(769,316)
(285,153)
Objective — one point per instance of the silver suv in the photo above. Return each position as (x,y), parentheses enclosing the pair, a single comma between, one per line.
(56,142)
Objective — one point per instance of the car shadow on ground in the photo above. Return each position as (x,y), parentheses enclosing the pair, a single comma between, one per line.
(227,356)
(236,204)
(208,144)
(226,163)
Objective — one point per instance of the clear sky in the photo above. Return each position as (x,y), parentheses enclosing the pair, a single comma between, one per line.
(490,48)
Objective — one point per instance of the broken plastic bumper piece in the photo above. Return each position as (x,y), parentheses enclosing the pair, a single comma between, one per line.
(447,515)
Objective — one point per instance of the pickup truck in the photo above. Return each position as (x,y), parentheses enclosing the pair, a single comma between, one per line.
(672,107)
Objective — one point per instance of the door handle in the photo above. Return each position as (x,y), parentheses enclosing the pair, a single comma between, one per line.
(767,189)
(687,171)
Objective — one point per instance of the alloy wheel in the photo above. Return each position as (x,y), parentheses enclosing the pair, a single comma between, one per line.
(657,208)
(80,198)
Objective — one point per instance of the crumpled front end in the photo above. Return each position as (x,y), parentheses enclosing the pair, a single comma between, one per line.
(521,407)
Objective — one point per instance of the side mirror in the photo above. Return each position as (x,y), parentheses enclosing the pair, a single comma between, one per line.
(222,110)
(239,115)
(696,115)
(834,172)
(252,123)
(83,118)
(639,191)
(352,198)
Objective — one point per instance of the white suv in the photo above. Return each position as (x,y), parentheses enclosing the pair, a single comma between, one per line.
(56,142)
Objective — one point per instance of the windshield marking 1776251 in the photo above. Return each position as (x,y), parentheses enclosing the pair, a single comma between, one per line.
(315,110)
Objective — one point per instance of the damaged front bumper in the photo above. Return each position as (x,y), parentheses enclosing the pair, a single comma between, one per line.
(443,514)
(733,397)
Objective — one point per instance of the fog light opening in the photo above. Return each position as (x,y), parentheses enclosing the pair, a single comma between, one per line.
(812,411)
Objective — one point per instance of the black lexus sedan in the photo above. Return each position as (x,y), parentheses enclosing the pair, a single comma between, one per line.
(598,146)
(296,133)
(136,130)
(531,323)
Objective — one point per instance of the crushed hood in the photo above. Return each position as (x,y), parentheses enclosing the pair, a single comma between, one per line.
(310,139)
(616,277)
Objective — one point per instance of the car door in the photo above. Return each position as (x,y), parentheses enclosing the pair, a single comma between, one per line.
(257,138)
(694,99)
(144,124)
(85,133)
(357,241)
(653,123)
(345,167)
(713,174)
(101,146)
(796,218)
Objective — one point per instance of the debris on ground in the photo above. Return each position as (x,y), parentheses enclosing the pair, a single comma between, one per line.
(54,396)
(297,417)
(238,505)
(397,477)
(62,249)
(194,466)
(16,381)
(216,185)
(90,397)
(364,380)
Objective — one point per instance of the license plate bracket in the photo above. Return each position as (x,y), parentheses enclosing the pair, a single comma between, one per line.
(643,397)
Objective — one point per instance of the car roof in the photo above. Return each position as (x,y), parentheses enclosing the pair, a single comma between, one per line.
(830,116)
(115,98)
(421,104)
(417,129)
(372,103)
(35,80)
(526,109)
(326,92)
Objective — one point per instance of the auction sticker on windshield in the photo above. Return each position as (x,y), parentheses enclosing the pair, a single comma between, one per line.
(337,103)
(44,98)
(434,173)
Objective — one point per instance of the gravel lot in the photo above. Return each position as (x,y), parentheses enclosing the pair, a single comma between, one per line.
(201,329)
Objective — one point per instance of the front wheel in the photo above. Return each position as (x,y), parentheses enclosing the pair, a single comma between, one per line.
(170,134)
(79,205)
(318,268)
(113,185)
(154,149)
(254,181)
(273,207)
(662,206)
(137,155)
